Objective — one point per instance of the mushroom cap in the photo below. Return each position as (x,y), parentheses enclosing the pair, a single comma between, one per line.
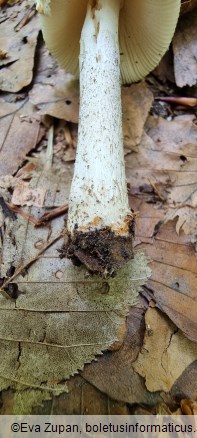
(146,28)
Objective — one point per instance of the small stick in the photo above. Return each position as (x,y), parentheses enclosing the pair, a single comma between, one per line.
(178,206)
(56,212)
(186,101)
(156,190)
(25,19)
(52,215)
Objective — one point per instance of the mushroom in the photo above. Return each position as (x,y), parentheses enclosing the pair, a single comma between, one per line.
(106,42)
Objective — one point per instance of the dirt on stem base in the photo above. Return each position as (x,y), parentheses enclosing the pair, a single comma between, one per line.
(101,251)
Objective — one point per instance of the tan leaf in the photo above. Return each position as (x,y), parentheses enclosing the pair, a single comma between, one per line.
(165,354)
(175,146)
(24,195)
(17,137)
(136,103)
(59,99)
(186,221)
(173,282)
(113,373)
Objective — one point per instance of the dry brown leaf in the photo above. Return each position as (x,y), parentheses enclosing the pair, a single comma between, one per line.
(17,68)
(24,195)
(136,103)
(175,146)
(186,220)
(82,398)
(186,385)
(113,373)
(59,98)
(173,282)
(17,137)
(165,354)
(185,51)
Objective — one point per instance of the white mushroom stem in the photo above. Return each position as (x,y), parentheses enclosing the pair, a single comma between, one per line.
(98,197)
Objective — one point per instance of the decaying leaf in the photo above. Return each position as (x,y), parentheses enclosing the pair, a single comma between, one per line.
(185,51)
(136,103)
(17,67)
(113,373)
(173,282)
(174,150)
(24,195)
(185,386)
(186,221)
(59,98)
(165,354)
(17,137)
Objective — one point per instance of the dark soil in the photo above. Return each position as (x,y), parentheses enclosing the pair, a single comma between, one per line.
(101,251)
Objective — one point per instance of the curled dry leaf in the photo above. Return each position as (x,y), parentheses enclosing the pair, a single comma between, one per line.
(165,354)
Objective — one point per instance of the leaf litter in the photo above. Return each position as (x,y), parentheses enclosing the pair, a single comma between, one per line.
(160,180)
(163,358)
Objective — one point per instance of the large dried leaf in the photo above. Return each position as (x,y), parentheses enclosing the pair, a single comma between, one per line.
(173,282)
(17,67)
(185,51)
(167,162)
(165,354)
(17,137)
(185,386)
(68,318)
(136,103)
(82,398)
(58,97)
(113,373)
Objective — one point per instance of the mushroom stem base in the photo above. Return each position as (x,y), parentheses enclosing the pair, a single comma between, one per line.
(101,251)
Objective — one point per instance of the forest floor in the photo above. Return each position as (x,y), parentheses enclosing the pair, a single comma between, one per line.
(55,318)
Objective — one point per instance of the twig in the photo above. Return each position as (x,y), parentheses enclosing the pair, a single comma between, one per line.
(52,215)
(25,19)
(49,152)
(186,101)
(56,212)
(178,206)
(156,190)
(31,261)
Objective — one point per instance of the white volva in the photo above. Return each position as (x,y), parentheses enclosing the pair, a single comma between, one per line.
(98,196)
